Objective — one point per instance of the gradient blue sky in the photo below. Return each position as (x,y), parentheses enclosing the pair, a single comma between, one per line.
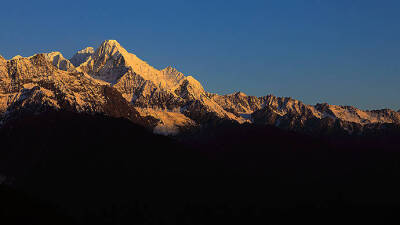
(343,52)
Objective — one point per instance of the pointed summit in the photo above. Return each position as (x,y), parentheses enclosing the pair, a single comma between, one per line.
(110,48)
(170,69)
(16,57)
(58,60)
(87,50)
(82,56)
(107,63)
(111,43)
(111,61)
(172,73)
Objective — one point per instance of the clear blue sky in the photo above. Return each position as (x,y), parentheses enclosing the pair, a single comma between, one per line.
(344,52)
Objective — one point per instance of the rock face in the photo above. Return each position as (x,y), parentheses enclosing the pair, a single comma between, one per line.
(160,92)
(82,56)
(294,115)
(33,85)
(112,81)
(58,60)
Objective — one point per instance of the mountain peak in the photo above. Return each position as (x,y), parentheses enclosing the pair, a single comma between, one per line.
(111,61)
(86,50)
(110,48)
(110,42)
(170,68)
(54,54)
(17,57)
(58,60)
(82,56)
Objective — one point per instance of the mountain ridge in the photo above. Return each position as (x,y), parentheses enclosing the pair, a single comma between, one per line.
(175,100)
(33,85)
(81,56)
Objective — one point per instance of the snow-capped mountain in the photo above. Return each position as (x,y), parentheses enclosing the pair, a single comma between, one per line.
(32,85)
(82,56)
(86,81)
(292,114)
(58,60)
(158,93)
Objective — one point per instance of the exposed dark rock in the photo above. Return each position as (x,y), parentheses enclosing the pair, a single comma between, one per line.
(116,106)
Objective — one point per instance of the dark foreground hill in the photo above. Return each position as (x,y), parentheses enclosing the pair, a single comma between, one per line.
(67,168)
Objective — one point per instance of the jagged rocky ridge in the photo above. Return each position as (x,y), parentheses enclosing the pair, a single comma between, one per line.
(82,56)
(34,85)
(178,102)
(291,114)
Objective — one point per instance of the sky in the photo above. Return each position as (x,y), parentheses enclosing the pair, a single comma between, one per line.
(343,52)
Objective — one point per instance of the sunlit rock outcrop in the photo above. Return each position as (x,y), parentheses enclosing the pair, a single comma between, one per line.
(292,114)
(58,60)
(150,89)
(82,56)
(33,85)
(112,81)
